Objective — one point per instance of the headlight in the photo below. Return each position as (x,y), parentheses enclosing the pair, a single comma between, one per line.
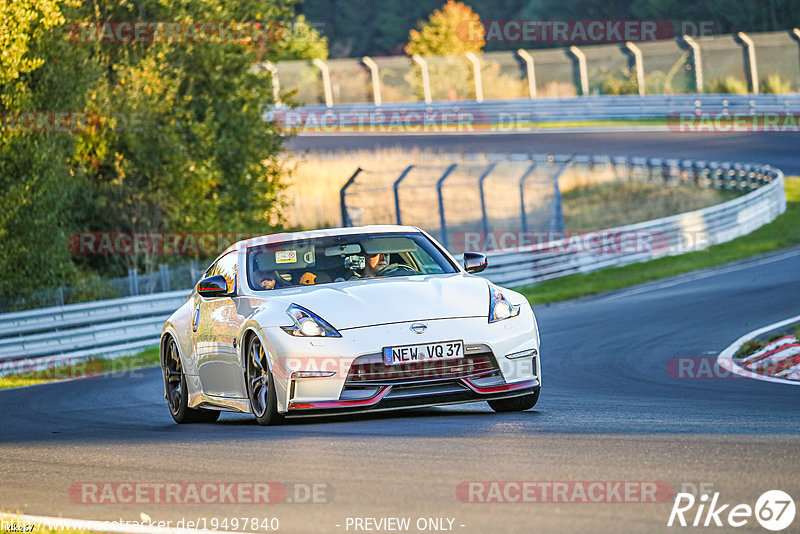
(499,307)
(308,324)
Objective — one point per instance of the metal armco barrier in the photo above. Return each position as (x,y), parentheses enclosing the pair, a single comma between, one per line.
(673,235)
(122,326)
(524,115)
(67,333)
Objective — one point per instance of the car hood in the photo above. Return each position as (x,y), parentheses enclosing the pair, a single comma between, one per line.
(361,303)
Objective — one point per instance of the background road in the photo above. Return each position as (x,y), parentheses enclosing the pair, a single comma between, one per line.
(609,411)
(778,149)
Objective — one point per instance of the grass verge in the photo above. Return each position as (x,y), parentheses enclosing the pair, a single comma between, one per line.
(783,232)
(758,343)
(82,369)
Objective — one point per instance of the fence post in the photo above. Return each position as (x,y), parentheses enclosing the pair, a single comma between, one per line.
(426,80)
(376,79)
(276,84)
(396,187)
(194,271)
(484,218)
(133,282)
(751,67)
(342,194)
(523,214)
(326,81)
(583,77)
(439,185)
(476,73)
(638,65)
(557,213)
(163,270)
(697,62)
(529,71)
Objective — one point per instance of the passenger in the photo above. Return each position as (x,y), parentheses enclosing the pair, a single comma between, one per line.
(268,280)
(310,279)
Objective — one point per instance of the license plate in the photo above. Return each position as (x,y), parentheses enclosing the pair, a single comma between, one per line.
(423,352)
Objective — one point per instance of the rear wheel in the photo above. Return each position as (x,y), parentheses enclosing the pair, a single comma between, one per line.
(261,385)
(177,398)
(515,404)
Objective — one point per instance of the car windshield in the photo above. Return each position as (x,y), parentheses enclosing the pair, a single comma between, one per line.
(343,258)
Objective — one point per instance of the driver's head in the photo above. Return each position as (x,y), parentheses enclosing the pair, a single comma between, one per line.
(378,261)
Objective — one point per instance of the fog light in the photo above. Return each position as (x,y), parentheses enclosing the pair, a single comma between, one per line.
(523,354)
(312,374)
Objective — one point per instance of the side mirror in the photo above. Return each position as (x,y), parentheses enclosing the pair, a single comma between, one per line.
(213,286)
(474,262)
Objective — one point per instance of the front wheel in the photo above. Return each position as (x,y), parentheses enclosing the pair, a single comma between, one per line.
(515,404)
(177,398)
(261,385)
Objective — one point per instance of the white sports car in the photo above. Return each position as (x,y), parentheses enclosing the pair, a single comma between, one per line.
(347,320)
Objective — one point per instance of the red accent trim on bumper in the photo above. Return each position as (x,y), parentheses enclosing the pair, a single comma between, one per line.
(525,384)
(375,399)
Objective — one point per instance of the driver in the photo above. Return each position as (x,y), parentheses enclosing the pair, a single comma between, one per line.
(375,263)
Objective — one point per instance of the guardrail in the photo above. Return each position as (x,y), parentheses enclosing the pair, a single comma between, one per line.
(667,236)
(69,333)
(48,336)
(681,113)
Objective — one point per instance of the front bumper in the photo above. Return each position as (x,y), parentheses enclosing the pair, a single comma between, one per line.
(341,393)
(455,392)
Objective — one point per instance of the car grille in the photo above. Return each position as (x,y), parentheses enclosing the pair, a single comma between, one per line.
(370,370)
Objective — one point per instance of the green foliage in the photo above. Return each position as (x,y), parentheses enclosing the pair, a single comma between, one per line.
(173,139)
(726,85)
(606,82)
(36,187)
(363,27)
(775,84)
(452,30)
(748,348)
(301,41)
(23,21)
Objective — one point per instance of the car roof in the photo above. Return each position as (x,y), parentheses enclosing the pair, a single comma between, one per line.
(313,234)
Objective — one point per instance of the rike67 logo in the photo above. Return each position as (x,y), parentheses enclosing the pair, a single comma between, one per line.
(774,510)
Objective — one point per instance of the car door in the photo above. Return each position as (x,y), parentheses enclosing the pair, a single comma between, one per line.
(218,324)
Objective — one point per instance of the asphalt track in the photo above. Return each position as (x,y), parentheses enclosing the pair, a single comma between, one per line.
(781,150)
(610,411)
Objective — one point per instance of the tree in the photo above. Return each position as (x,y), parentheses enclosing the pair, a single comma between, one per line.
(173,138)
(40,72)
(449,33)
(453,29)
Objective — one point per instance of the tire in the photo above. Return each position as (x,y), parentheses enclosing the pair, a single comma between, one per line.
(261,385)
(515,404)
(177,397)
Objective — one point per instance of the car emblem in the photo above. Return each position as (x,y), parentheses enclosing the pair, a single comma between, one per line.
(419,328)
